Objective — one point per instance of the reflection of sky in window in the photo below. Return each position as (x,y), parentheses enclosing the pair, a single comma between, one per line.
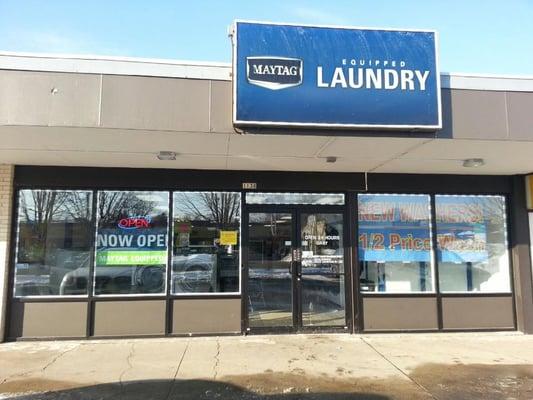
(159,200)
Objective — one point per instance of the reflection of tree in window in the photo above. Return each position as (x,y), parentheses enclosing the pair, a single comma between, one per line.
(219,208)
(114,205)
(54,237)
(42,209)
(201,263)
(39,209)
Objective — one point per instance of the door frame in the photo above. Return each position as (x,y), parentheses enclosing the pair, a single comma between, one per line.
(296,210)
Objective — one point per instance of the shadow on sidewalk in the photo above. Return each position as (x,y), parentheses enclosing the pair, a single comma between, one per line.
(165,390)
(428,381)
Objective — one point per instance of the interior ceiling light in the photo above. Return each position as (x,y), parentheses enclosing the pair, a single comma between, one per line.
(331,159)
(166,155)
(473,162)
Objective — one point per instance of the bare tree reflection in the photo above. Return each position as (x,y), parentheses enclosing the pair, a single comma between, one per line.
(114,205)
(221,209)
(41,209)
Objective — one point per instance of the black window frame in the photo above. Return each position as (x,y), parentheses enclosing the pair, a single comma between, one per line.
(110,178)
(171,247)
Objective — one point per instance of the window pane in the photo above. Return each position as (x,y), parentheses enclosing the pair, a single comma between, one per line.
(270,290)
(295,198)
(395,243)
(472,244)
(322,281)
(54,242)
(131,252)
(206,242)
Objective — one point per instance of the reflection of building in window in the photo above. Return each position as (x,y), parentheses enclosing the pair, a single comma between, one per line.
(54,238)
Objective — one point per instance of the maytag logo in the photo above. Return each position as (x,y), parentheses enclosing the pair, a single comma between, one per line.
(274,72)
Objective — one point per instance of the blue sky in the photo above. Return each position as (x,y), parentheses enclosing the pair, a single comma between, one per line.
(475,36)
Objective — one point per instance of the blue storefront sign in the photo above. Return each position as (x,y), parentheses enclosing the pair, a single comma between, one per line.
(308,76)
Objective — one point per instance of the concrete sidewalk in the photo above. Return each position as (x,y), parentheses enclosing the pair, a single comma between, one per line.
(416,366)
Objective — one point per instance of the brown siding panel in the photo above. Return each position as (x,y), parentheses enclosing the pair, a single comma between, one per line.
(33,320)
(477,313)
(400,313)
(129,318)
(206,316)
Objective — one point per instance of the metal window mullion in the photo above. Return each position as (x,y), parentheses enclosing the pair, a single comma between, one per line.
(243,264)
(170,249)
(92,262)
(434,240)
(13,235)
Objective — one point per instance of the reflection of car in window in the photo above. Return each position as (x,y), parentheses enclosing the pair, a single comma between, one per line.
(115,279)
(44,279)
(194,269)
(204,269)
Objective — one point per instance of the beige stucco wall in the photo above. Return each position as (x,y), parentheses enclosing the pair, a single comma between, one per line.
(6,192)
(31,98)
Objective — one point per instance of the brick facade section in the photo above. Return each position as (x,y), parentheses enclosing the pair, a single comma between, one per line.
(6,195)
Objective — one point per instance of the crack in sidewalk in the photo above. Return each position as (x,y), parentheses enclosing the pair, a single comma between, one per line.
(400,370)
(177,371)
(43,369)
(217,361)
(58,357)
(128,368)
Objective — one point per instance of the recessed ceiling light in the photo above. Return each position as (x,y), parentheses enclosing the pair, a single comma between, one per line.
(473,162)
(166,155)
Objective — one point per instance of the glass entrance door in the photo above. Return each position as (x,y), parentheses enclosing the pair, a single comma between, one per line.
(295,269)
(270,270)
(322,284)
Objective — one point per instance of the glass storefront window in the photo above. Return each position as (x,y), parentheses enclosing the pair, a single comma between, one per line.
(295,198)
(54,242)
(472,244)
(395,249)
(206,242)
(131,242)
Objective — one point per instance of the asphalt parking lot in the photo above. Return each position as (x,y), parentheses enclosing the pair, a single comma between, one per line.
(376,367)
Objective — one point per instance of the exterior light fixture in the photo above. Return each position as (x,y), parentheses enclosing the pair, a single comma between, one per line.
(166,155)
(473,162)
(331,159)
